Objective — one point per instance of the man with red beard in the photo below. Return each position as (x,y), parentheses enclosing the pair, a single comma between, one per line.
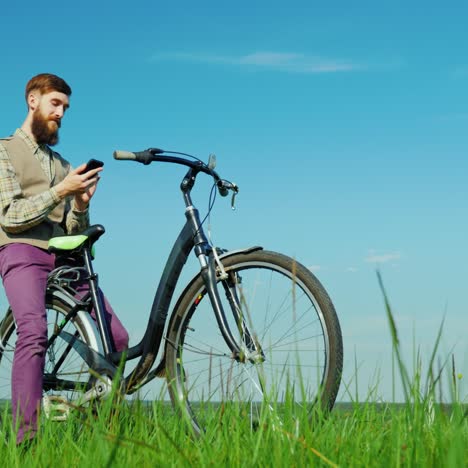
(41,197)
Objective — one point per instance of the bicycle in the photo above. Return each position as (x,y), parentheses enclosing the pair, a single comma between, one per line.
(254,327)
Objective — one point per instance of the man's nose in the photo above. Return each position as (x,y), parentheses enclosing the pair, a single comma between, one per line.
(59,112)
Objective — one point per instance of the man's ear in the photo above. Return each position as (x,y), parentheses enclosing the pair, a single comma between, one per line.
(33,100)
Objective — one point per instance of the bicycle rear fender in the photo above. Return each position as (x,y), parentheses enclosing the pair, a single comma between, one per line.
(87,322)
(85,317)
(5,320)
(92,352)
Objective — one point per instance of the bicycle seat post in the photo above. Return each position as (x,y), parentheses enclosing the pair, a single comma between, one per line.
(98,304)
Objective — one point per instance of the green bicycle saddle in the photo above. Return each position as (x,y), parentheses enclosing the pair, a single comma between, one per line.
(69,244)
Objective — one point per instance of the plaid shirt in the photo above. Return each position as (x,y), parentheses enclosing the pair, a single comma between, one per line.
(17,214)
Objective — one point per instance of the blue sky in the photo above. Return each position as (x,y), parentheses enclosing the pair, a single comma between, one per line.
(344,126)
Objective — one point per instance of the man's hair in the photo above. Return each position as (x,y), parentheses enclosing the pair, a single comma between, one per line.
(45,83)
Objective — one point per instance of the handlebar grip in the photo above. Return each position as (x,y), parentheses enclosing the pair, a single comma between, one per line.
(124,155)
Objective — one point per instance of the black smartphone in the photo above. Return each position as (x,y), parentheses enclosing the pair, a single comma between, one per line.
(93,164)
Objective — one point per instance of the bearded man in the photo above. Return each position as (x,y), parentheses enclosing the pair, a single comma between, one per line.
(41,197)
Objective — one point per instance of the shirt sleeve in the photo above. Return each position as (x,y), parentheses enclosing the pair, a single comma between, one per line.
(17,214)
(76,221)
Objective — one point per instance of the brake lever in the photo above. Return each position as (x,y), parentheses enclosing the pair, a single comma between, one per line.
(235,191)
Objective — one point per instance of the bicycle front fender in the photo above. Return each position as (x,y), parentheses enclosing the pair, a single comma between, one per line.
(223,256)
(230,253)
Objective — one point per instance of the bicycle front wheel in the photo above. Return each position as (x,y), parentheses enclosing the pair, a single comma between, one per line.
(287,326)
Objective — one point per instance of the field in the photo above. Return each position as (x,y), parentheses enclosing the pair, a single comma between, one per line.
(138,434)
(122,433)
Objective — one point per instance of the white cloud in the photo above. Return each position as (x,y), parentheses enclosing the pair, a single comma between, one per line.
(374,257)
(269,59)
(314,267)
(288,62)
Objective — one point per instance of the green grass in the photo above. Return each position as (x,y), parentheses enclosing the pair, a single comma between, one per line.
(365,434)
(418,432)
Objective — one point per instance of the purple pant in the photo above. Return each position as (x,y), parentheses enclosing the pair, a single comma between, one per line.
(24,271)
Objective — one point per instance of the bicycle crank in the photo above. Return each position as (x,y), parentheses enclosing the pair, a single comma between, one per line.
(101,389)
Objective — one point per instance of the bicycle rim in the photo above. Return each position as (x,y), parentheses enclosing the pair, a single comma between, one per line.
(289,316)
(65,374)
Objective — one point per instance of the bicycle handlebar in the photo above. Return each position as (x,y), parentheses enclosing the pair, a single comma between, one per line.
(144,157)
(124,155)
(156,154)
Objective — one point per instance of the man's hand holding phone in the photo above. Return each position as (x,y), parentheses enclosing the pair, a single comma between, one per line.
(93,164)
(81,182)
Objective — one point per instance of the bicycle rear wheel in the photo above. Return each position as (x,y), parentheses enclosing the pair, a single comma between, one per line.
(287,313)
(66,375)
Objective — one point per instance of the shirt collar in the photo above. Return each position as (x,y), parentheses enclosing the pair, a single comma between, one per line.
(29,141)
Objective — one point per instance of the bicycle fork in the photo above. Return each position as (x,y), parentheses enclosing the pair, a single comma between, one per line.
(247,346)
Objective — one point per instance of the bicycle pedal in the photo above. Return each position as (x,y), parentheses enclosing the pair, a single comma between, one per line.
(56,407)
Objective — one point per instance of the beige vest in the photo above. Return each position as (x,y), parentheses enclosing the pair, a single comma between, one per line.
(34,181)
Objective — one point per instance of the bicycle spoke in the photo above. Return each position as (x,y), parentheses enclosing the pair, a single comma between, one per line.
(281,331)
(62,361)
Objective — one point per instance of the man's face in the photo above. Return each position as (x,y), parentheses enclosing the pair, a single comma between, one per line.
(47,116)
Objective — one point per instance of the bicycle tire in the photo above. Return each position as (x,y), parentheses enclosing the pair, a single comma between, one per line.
(73,368)
(294,377)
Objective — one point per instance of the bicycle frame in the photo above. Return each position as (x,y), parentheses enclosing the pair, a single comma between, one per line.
(191,237)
